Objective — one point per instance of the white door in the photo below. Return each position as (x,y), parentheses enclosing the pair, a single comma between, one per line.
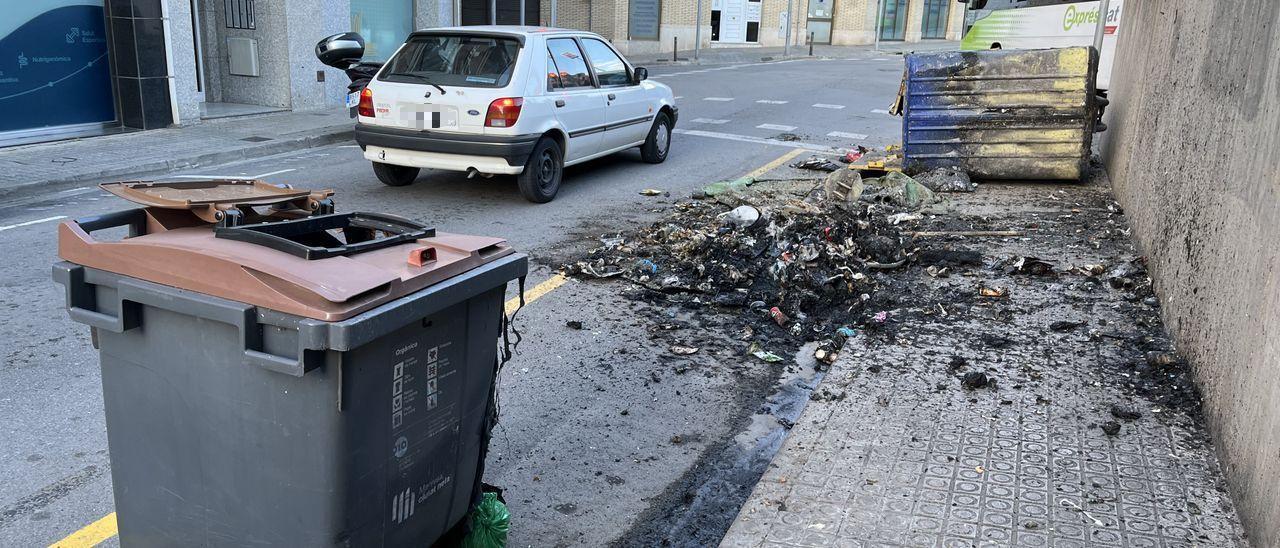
(733,25)
(628,112)
(579,104)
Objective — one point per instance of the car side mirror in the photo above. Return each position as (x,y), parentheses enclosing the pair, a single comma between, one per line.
(639,74)
(341,51)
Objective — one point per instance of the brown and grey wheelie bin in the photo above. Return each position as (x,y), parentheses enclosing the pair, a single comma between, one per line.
(277,375)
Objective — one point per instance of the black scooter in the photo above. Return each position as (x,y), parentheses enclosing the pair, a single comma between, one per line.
(343,51)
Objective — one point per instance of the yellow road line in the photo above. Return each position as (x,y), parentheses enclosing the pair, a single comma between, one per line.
(536,292)
(105,528)
(91,535)
(771,165)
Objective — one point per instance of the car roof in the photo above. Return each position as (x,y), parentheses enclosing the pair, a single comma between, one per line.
(501,30)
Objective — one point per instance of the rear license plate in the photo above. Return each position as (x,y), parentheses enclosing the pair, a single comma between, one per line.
(418,116)
(353,99)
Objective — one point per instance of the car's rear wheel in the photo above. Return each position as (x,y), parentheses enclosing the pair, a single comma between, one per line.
(654,150)
(540,180)
(392,175)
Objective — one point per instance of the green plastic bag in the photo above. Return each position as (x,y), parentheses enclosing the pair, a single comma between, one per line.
(490,522)
(723,187)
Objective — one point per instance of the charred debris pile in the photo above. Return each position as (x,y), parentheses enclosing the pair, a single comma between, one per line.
(794,262)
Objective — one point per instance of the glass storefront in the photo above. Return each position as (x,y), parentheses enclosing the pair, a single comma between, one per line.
(384,24)
(893,20)
(934,22)
(54,73)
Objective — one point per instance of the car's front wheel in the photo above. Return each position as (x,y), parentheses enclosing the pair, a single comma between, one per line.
(654,149)
(393,175)
(540,180)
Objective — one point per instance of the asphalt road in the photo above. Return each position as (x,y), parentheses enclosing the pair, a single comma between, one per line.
(577,470)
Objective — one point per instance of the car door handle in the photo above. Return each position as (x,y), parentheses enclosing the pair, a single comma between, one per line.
(559,103)
(612,96)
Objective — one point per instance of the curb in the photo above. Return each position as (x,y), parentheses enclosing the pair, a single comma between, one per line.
(745,59)
(337,134)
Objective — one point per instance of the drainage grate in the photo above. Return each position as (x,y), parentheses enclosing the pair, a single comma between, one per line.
(256,139)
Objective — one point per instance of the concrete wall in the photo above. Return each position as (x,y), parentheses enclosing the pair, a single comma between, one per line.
(307,24)
(1193,151)
(182,57)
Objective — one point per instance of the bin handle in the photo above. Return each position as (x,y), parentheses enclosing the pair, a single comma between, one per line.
(244,317)
(135,219)
(131,292)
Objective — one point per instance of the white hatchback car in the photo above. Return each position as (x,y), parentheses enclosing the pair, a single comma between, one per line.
(525,101)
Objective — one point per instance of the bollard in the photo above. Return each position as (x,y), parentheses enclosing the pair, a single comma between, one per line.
(810,44)
(675,48)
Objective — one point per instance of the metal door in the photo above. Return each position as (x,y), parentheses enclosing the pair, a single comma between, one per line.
(819,23)
(476,12)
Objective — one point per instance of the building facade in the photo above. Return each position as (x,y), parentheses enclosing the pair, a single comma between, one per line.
(72,68)
(647,26)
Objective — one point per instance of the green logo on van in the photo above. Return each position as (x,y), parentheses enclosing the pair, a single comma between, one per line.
(1075,18)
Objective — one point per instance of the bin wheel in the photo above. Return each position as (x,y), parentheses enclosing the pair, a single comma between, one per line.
(392,175)
(540,180)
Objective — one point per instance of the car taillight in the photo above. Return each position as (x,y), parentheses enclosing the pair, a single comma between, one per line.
(366,103)
(503,112)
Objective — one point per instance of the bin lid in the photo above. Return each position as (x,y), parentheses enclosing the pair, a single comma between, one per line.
(206,197)
(180,251)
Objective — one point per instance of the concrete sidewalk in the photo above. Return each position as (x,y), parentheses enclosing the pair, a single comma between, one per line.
(754,54)
(48,166)
(1051,412)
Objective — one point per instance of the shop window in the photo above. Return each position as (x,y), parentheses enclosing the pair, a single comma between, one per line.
(384,24)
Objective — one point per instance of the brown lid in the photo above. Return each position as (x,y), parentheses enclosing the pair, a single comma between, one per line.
(207,197)
(179,252)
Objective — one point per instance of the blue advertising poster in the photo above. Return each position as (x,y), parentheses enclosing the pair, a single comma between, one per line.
(53,64)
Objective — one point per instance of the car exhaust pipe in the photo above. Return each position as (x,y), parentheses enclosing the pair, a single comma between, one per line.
(472,172)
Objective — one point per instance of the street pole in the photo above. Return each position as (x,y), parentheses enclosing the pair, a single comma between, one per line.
(1101,29)
(522,13)
(493,12)
(786,48)
(876,30)
(697,32)
(553,13)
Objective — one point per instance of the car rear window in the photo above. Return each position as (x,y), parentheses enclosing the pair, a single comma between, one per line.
(454,60)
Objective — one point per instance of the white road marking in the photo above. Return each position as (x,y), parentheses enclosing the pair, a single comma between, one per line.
(273,173)
(879,111)
(35,222)
(776,127)
(756,140)
(844,135)
(235,177)
(824,105)
(348,146)
(772,102)
(709,121)
(679,97)
(717,99)
(77,190)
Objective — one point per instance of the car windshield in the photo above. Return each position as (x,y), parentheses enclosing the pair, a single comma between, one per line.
(454,60)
